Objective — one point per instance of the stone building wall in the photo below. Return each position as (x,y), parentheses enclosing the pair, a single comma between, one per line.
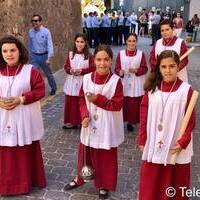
(62,17)
(194,8)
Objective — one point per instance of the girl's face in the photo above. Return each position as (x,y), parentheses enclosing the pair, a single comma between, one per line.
(131,43)
(168,69)
(103,62)
(10,53)
(80,44)
(166,31)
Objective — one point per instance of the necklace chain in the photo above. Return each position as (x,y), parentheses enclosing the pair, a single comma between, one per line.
(160,126)
(95,116)
(164,103)
(13,79)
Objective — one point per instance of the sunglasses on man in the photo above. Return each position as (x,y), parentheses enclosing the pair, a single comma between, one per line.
(35,20)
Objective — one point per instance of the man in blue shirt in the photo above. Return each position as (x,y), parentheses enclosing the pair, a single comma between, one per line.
(41,49)
(155,20)
(89,28)
(105,25)
(96,22)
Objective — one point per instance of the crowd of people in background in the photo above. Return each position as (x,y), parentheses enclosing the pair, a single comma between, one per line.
(192,27)
(112,27)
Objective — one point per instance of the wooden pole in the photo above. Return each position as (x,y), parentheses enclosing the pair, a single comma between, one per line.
(189,51)
(185,122)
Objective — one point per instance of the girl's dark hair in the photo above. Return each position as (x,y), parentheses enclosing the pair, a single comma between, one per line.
(85,49)
(103,47)
(23,52)
(132,34)
(167,22)
(154,79)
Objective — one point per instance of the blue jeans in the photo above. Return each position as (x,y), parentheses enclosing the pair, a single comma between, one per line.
(39,62)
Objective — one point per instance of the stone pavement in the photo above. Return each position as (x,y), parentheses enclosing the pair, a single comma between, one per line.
(60,149)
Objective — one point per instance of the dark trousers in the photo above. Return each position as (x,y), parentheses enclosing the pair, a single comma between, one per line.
(133,26)
(120,34)
(126,32)
(96,36)
(114,35)
(109,35)
(155,33)
(104,35)
(84,30)
(90,36)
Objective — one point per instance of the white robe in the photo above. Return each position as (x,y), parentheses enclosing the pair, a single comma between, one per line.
(132,84)
(73,83)
(172,117)
(23,124)
(176,47)
(108,130)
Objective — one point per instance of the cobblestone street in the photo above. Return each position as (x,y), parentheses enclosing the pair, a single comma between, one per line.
(60,149)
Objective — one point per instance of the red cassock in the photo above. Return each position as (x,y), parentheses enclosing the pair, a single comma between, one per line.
(156,178)
(71,111)
(22,166)
(103,161)
(131,106)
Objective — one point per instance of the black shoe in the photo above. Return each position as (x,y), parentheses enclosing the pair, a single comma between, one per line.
(130,127)
(103,194)
(69,127)
(53,92)
(70,186)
